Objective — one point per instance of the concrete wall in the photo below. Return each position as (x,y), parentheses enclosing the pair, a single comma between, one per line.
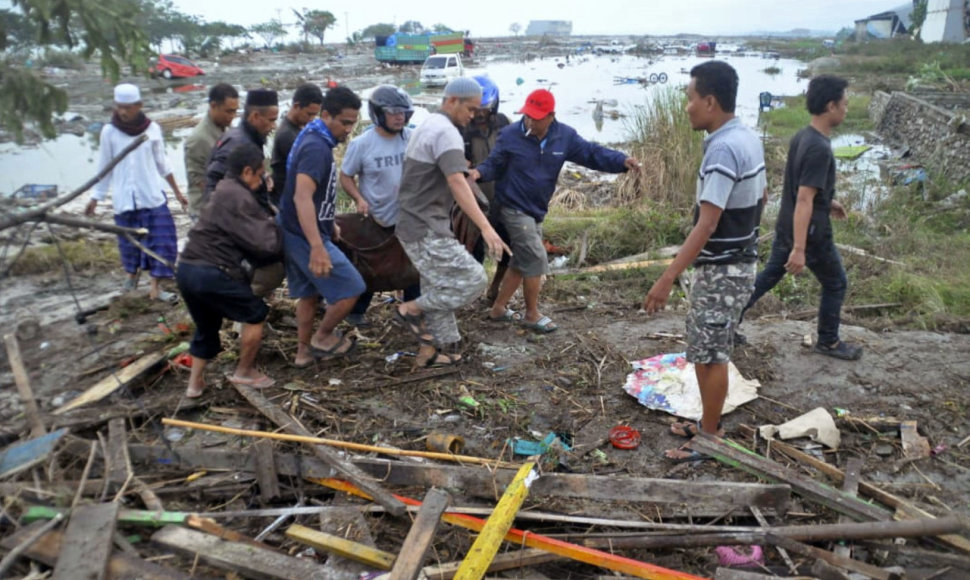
(938,138)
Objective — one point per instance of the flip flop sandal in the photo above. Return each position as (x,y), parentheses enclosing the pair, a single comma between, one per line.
(415,325)
(168,297)
(192,394)
(544,325)
(336,350)
(684,455)
(508,316)
(263,382)
(687,429)
(435,362)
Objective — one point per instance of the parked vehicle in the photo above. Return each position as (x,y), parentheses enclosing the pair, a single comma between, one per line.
(438,69)
(172,66)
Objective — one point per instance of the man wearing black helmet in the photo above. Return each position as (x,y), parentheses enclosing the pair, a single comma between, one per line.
(371,170)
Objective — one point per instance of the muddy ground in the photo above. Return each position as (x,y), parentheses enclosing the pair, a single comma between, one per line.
(522,384)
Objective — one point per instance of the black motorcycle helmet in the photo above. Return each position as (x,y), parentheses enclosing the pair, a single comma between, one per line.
(389,99)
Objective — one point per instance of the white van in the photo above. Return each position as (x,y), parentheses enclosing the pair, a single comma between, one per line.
(438,69)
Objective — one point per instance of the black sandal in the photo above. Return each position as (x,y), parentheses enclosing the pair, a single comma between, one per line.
(414,323)
(687,430)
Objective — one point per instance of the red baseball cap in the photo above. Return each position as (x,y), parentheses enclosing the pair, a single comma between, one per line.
(539,104)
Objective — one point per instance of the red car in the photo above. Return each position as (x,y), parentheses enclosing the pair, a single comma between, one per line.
(173,66)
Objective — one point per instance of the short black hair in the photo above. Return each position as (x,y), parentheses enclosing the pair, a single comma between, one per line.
(717,78)
(823,90)
(308,94)
(242,156)
(222,91)
(339,98)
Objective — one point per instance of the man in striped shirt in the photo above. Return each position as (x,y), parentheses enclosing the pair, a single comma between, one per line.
(723,245)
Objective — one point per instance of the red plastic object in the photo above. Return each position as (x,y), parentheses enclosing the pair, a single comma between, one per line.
(183,360)
(624,437)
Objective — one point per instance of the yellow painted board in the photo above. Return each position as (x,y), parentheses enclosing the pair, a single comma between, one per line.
(112,382)
(489,540)
(341,547)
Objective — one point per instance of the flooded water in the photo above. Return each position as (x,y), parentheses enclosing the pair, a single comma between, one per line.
(864,185)
(69,160)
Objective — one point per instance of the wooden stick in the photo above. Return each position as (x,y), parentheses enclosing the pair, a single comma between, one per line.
(31,215)
(836,560)
(344,548)
(564,549)
(410,559)
(489,540)
(76,222)
(763,522)
(337,443)
(22,379)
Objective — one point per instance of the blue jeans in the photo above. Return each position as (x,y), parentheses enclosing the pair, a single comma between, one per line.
(825,263)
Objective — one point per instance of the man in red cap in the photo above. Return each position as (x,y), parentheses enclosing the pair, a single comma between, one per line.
(525,164)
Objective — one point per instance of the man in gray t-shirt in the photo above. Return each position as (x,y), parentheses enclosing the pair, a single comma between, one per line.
(371,171)
(433,180)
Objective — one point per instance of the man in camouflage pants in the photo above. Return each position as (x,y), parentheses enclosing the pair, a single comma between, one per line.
(723,245)
(432,180)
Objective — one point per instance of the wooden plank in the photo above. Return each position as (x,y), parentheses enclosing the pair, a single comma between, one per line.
(119,467)
(88,541)
(265,464)
(22,380)
(26,454)
(120,567)
(480,482)
(410,559)
(834,559)
(506,561)
(904,509)
(113,382)
(243,559)
(850,485)
(565,549)
(344,548)
(346,468)
(489,539)
(739,457)
(763,522)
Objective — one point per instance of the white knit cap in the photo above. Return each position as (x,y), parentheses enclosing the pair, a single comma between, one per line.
(463,88)
(127,94)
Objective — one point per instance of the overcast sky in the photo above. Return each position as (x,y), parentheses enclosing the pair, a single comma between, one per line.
(493,17)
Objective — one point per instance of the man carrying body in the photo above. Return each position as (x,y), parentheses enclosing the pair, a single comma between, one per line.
(376,157)
(434,180)
(137,196)
(315,266)
(233,227)
(723,245)
(223,105)
(526,162)
(307,100)
(259,119)
(803,233)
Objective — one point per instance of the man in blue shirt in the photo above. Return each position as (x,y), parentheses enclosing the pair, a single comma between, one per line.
(315,266)
(525,165)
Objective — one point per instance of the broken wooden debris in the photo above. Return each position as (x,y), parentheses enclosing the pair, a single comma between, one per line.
(27,542)
(763,522)
(734,574)
(615,267)
(244,559)
(118,466)
(915,446)
(565,549)
(813,533)
(26,454)
(737,456)
(490,538)
(266,475)
(22,380)
(850,485)
(904,509)
(113,382)
(210,527)
(88,542)
(344,548)
(410,559)
(797,547)
(483,483)
(309,439)
(346,468)
(507,561)
(121,566)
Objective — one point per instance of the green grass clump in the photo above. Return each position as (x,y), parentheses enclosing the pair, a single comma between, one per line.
(613,233)
(80,254)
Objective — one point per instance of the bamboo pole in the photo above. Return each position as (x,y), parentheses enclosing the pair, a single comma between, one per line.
(337,443)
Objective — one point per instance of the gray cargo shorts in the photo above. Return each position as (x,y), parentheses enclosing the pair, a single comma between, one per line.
(525,238)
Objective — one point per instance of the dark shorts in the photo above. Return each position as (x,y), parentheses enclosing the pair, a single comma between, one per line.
(525,238)
(211,295)
(717,296)
(343,282)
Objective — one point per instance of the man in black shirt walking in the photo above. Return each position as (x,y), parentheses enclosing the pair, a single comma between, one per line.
(803,234)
